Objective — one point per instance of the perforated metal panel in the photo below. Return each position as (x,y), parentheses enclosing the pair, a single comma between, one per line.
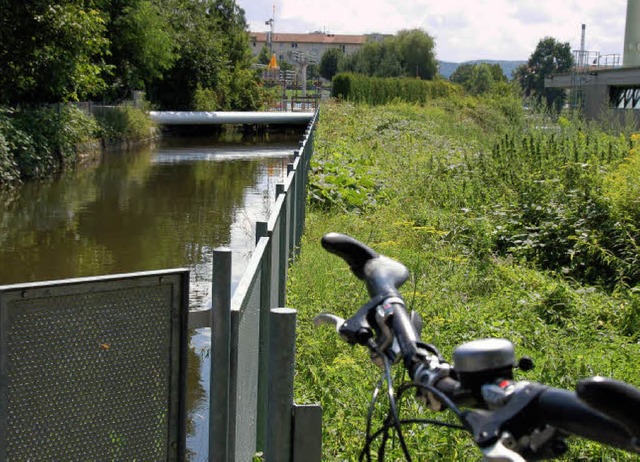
(93,369)
(245,342)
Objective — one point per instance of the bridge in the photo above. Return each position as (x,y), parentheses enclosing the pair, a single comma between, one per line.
(230,118)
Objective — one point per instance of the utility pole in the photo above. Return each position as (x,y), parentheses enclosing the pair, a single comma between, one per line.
(271,22)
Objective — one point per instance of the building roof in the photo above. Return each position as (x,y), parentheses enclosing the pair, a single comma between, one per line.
(326,39)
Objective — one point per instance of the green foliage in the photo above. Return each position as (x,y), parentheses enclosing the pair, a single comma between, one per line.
(73,50)
(558,215)
(8,169)
(51,52)
(244,91)
(373,90)
(330,62)
(214,54)
(40,141)
(343,181)
(550,57)
(264,57)
(622,187)
(124,122)
(416,53)
(205,99)
(478,78)
(410,53)
(478,208)
(143,45)
(465,71)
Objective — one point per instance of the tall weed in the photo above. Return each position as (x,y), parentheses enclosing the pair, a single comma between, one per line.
(509,231)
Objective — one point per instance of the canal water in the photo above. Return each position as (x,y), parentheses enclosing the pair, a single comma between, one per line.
(161,207)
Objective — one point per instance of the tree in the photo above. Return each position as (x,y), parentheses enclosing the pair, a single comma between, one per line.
(51,52)
(481,79)
(330,62)
(410,53)
(143,44)
(264,57)
(462,74)
(477,78)
(214,58)
(550,57)
(416,51)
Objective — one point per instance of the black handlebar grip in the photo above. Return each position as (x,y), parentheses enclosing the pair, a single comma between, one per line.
(616,399)
(564,410)
(354,252)
(381,274)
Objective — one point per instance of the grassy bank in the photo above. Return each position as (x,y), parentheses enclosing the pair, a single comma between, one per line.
(509,228)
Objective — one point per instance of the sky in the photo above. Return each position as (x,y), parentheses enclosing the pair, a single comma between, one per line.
(463,30)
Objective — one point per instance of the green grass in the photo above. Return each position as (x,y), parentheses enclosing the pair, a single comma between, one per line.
(435,190)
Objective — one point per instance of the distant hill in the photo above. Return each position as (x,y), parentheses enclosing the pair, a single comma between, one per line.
(448,68)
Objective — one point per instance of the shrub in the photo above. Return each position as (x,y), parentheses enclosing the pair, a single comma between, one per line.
(43,140)
(622,187)
(374,90)
(8,168)
(205,99)
(124,122)
(562,214)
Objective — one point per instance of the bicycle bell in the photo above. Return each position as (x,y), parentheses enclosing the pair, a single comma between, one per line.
(483,361)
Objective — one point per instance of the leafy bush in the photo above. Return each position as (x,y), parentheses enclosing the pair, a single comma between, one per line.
(245,93)
(556,214)
(43,140)
(205,99)
(342,185)
(124,122)
(622,187)
(8,169)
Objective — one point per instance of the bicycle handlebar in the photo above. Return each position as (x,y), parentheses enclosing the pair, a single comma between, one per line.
(515,417)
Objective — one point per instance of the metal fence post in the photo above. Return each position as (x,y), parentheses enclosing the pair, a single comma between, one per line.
(307,433)
(262,231)
(278,446)
(220,354)
(284,246)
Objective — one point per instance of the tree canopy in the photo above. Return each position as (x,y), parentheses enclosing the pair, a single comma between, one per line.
(477,78)
(550,57)
(410,53)
(76,49)
(51,52)
(330,62)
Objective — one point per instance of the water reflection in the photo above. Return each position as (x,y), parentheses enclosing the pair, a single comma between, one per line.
(159,208)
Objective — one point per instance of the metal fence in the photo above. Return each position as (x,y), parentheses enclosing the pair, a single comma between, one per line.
(94,368)
(253,340)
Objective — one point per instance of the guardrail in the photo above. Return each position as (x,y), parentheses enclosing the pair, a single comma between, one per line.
(73,384)
(253,339)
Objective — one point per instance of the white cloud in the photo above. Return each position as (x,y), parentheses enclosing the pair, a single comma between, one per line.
(490,29)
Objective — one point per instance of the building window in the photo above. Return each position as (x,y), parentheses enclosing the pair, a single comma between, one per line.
(294,45)
(625,97)
(254,44)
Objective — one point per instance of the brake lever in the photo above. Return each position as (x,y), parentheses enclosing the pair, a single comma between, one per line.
(353,330)
(328,318)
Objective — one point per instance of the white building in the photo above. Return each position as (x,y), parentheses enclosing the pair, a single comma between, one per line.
(284,45)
